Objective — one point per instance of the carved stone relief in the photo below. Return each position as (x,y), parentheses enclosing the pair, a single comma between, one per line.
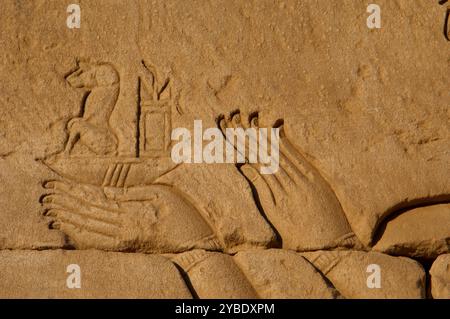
(361,186)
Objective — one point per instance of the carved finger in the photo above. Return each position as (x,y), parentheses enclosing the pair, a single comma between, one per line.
(299,165)
(265,194)
(67,217)
(90,194)
(80,208)
(86,239)
(235,120)
(271,181)
(283,176)
(254,120)
(287,165)
(240,121)
(222,123)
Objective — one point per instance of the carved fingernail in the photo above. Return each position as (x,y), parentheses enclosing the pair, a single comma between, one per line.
(49,213)
(49,184)
(54,225)
(46,199)
(237,118)
(41,198)
(249,172)
(254,121)
(219,119)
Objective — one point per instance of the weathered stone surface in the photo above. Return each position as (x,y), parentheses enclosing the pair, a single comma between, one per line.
(279,273)
(225,203)
(296,199)
(421,232)
(349,273)
(214,275)
(87,117)
(147,218)
(43,274)
(355,144)
(440,277)
(22,225)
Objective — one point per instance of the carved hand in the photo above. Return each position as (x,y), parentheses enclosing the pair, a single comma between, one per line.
(149,218)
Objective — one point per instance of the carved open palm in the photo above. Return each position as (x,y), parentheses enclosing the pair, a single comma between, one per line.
(151,218)
(296,199)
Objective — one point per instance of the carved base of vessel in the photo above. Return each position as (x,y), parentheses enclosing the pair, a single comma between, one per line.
(110,171)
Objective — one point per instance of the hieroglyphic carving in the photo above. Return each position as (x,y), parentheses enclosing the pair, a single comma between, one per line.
(90,155)
(92,129)
(107,201)
(112,202)
(114,194)
(151,218)
(154,114)
(297,200)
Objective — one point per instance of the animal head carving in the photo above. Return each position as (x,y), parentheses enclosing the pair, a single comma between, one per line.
(90,76)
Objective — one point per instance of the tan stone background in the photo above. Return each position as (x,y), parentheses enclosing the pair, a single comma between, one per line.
(368,108)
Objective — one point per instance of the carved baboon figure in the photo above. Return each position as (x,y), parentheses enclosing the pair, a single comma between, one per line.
(92,128)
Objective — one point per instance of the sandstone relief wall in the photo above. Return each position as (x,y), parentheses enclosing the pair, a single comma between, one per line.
(351,201)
